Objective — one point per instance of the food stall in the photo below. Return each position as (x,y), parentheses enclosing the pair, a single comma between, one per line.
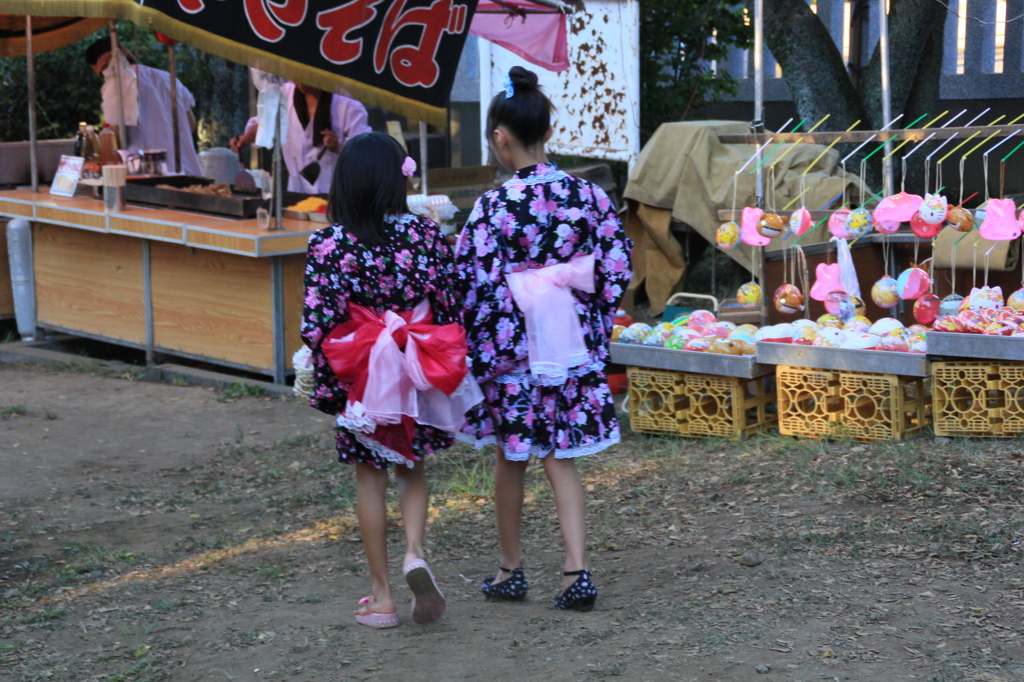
(225,289)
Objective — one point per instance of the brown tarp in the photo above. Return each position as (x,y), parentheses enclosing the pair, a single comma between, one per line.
(685,174)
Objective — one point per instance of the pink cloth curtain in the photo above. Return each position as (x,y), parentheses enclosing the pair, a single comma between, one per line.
(539,38)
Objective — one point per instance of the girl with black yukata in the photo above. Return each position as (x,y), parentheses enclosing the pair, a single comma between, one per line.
(543,261)
(383,280)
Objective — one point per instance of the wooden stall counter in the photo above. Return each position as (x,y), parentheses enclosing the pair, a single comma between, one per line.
(196,285)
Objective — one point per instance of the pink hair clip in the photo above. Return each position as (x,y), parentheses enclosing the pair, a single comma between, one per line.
(408,167)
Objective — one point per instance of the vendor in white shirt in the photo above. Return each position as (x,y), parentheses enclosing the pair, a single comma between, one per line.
(146,99)
(317,121)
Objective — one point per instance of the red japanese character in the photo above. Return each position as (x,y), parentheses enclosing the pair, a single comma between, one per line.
(414,65)
(192,6)
(338,23)
(288,12)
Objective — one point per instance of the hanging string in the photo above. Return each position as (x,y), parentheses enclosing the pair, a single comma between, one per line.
(846,184)
(903,176)
(953,256)
(985,281)
(985,174)
(863,175)
(1002,178)
(974,274)
(962,159)
(926,174)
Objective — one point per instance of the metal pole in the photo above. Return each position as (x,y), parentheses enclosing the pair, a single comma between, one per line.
(883,43)
(759,119)
(172,64)
(278,180)
(31,65)
(759,93)
(147,284)
(122,130)
(423,157)
(277,317)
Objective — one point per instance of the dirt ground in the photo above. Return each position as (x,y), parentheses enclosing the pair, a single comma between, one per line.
(156,532)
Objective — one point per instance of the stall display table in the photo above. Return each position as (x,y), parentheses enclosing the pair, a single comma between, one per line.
(689,393)
(215,289)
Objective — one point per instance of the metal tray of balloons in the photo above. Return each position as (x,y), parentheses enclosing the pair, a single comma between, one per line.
(982,346)
(695,362)
(846,359)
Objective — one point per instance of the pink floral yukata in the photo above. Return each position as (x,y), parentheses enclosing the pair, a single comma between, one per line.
(541,217)
(416,263)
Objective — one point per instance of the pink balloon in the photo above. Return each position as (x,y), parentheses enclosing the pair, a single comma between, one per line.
(800,222)
(926,309)
(899,208)
(1000,224)
(912,284)
(828,280)
(748,228)
(922,229)
(837,224)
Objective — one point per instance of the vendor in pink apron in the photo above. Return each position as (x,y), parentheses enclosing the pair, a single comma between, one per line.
(319,125)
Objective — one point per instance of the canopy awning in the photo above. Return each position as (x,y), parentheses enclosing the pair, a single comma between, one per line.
(49,33)
(400,55)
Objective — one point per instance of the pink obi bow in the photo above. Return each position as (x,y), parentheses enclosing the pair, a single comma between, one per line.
(553,329)
(403,370)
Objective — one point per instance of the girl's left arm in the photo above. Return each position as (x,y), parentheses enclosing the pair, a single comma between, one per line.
(612,248)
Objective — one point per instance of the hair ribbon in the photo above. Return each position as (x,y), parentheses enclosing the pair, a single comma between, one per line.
(509,87)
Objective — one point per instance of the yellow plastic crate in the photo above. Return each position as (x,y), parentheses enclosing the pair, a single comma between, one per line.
(883,406)
(810,404)
(698,405)
(978,398)
(727,407)
(657,404)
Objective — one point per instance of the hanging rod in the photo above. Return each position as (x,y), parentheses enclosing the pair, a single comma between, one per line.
(912,134)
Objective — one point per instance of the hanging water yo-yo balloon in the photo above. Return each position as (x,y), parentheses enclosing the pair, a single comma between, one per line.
(933,209)
(787,299)
(748,227)
(926,308)
(771,225)
(1000,223)
(749,295)
(886,226)
(922,229)
(885,293)
(1016,300)
(833,300)
(858,223)
(951,305)
(960,219)
(898,208)
(800,222)
(837,223)
(828,278)
(728,236)
(912,284)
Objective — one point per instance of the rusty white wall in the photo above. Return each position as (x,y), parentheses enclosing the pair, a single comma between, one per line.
(598,97)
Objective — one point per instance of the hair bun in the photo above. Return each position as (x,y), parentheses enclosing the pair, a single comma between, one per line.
(523,79)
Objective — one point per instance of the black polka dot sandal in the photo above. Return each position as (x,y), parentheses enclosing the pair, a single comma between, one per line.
(581,595)
(513,589)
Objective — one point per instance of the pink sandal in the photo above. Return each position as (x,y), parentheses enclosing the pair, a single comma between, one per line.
(428,603)
(374,619)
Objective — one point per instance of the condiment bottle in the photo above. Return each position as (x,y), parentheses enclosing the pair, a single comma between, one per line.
(108,147)
(80,139)
(91,169)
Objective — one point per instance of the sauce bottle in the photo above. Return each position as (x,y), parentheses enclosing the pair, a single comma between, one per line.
(108,147)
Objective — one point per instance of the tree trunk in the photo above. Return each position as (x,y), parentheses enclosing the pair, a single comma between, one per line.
(811,64)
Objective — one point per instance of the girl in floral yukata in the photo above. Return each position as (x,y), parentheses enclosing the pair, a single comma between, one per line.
(379,299)
(543,261)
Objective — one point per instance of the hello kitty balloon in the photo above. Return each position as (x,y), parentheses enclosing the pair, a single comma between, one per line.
(1000,224)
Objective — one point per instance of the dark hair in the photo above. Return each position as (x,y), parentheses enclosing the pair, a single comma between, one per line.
(322,117)
(100,47)
(367,185)
(526,114)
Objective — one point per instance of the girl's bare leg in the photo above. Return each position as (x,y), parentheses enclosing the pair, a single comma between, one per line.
(572,514)
(371,484)
(508,508)
(413,498)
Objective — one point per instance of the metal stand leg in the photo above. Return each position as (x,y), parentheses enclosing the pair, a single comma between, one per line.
(147,284)
(277,299)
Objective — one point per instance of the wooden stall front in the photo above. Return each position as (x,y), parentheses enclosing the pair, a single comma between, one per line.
(194,285)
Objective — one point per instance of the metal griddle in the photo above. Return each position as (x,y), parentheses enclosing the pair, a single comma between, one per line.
(239,205)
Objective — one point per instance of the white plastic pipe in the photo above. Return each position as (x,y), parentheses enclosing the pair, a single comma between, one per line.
(19,251)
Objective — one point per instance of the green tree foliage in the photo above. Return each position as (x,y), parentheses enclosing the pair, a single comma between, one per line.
(67,90)
(679,40)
